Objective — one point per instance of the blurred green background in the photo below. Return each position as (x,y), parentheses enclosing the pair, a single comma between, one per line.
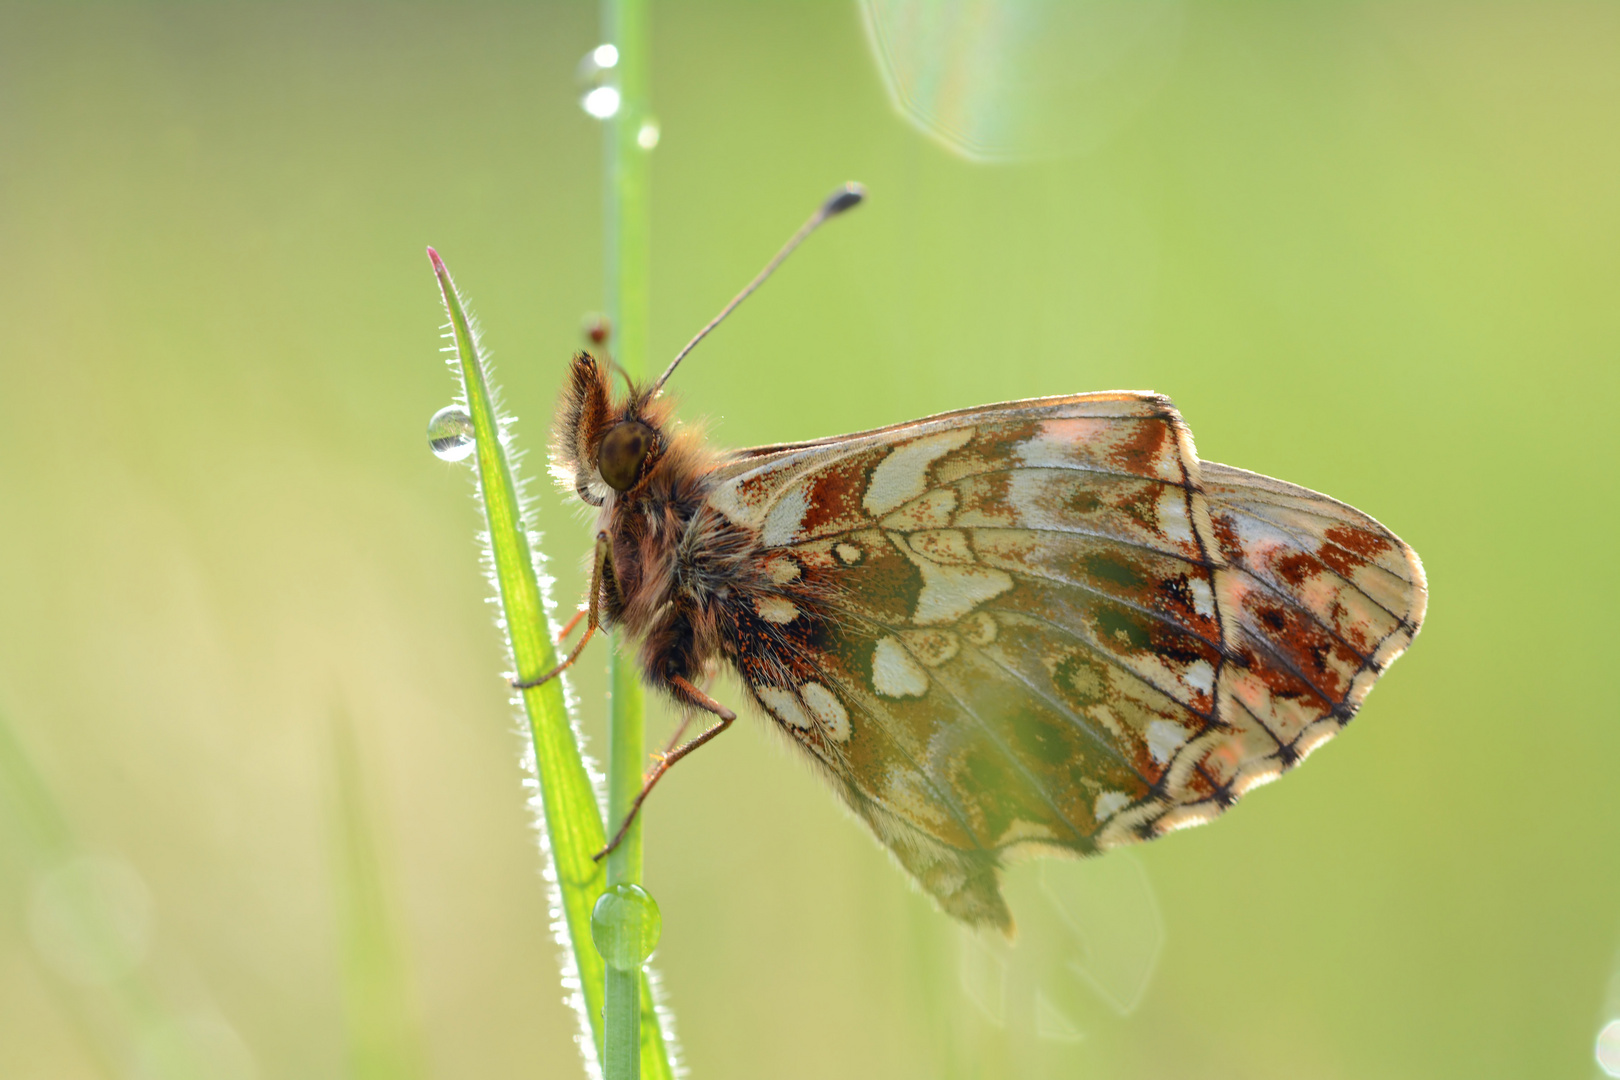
(250,687)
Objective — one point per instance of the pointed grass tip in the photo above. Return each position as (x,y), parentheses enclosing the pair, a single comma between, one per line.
(442,273)
(851,194)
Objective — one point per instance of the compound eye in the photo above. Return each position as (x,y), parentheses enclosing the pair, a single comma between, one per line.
(624,448)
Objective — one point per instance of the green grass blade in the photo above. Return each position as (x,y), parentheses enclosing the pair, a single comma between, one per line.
(659,1060)
(573,823)
(43,831)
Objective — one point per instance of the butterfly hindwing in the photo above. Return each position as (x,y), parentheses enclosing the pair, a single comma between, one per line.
(1047,625)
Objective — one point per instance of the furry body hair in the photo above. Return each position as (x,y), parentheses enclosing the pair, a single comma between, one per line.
(677,571)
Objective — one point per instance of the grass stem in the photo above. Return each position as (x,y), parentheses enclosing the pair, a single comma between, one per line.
(632,1028)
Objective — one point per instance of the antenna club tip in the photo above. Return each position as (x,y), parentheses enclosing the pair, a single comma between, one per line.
(850,195)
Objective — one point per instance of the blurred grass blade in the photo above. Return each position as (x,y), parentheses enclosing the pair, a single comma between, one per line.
(573,822)
(384,1039)
(96,972)
(43,834)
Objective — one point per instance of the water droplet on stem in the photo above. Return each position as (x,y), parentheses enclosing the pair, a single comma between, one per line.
(595,65)
(602,103)
(625,925)
(600,97)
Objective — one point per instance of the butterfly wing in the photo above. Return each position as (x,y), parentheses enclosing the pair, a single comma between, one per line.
(1045,625)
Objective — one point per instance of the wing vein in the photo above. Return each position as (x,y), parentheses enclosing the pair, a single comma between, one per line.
(1089,469)
(1129,605)
(1091,646)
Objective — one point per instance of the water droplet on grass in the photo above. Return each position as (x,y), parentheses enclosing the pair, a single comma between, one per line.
(647,135)
(625,925)
(595,65)
(595,74)
(450,433)
(602,102)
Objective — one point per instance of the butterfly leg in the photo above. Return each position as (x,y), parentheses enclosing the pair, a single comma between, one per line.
(562,635)
(670,756)
(591,619)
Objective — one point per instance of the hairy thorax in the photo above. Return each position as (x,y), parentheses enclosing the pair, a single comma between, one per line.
(676,565)
(687,581)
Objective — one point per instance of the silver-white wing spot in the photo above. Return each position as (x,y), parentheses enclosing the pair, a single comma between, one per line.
(781,569)
(1164,738)
(782,524)
(827,709)
(776,609)
(903,474)
(784,705)
(1110,803)
(951,592)
(894,673)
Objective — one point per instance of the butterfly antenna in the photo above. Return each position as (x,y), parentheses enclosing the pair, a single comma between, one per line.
(845,197)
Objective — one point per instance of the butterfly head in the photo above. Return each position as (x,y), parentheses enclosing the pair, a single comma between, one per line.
(623,453)
(601,445)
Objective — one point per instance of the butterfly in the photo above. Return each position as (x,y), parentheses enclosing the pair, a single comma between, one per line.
(1043,626)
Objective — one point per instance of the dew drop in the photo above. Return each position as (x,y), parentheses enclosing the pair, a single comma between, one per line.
(602,102)
(625,925)
(647,134)
(450,433)
(595,65)
(599,96)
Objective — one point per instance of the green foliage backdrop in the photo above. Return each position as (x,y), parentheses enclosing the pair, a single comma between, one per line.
(1370,248)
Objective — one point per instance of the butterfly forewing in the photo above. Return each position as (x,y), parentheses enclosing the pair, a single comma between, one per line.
(1046,624)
